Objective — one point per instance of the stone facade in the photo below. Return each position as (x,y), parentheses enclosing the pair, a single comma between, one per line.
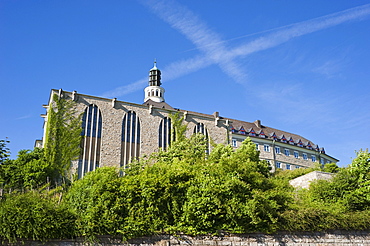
(119,139)
(112,114)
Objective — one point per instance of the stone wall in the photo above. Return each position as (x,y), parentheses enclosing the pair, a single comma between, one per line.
(305,180)
(337,238)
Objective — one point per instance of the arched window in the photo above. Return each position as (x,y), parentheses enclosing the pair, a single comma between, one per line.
(91,140)
(130,148)
(156,93)
(164,133)
(200,128)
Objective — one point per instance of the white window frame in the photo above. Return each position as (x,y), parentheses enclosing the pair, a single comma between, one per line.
(296,154)
(278,164)
(313,158)
(288,166)
(305,156)
(277,149)
(234,142)
(266,148)
(287,152)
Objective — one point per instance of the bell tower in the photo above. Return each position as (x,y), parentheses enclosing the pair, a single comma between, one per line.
(154,91)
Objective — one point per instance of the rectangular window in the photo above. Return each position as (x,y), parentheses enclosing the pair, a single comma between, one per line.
(286,152)
(277,150)
(296,167)
(313,158)
(278,165)
(266,148)
(233,142)
(304,155)
(257,146)
(322,161)
(288,166)
(296,154)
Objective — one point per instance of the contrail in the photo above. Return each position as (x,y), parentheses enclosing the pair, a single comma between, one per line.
(211,44)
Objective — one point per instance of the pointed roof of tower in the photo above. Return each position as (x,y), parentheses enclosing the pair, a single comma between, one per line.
(155,65)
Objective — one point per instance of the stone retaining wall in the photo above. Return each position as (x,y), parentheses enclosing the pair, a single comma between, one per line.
(337,238)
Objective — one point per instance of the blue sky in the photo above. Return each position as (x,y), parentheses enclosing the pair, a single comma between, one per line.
(299,66)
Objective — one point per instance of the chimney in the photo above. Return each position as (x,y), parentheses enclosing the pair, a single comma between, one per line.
(258,123)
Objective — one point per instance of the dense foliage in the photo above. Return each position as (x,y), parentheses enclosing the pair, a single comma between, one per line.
(28,171)
(35,216)
(63,137)
(184,189)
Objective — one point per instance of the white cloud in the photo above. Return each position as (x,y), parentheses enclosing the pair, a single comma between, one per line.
(212,46)
(24,117)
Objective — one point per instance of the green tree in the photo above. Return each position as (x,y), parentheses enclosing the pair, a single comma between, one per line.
(63,136)
(4,151)
(331,168)
(97,202)
(34,216)
(178,127)
(28,171)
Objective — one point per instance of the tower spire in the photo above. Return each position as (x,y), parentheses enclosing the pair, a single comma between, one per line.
(154,91)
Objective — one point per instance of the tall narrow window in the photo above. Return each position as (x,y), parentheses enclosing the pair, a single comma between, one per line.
(164,133)
(130,148)
(91,140)
(233,142)
(200,128)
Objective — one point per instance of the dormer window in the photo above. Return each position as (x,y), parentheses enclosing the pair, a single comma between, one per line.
(241,130)
(291,141)
(300,144)
(232,129)
(262,134)
(273,136)
(252,133)
(309,146)
(283,139)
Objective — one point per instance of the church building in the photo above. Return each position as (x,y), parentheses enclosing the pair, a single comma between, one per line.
(116,132)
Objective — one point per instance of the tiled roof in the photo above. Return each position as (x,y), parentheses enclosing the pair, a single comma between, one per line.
(269,132)
(158,104)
